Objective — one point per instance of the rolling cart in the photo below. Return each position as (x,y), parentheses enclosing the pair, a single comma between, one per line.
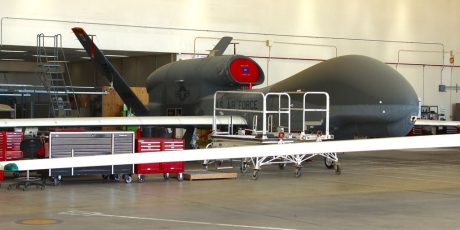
(10,148)
(157,145)
(75,144)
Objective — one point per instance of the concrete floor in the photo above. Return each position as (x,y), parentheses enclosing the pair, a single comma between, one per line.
(377,190)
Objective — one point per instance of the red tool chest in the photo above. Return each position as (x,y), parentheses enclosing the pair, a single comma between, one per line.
(10,147)
(156,145)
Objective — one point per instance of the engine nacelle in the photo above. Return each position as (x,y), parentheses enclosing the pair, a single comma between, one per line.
(229,72)
(245,71)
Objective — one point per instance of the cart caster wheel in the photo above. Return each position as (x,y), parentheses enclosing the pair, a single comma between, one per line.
(298,171)
(115,177)
(338,170)
(9,187)
(244,167)
(180,176)
(166,176)
(105,177)
(55,181)
(329,163)
(141,178)
(128,179)
(255,174)
(282,166)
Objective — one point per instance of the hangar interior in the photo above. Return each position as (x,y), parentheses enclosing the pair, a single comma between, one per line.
(421,48)
(408,189)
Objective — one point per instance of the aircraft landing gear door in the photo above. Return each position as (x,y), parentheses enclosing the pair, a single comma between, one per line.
(176,132)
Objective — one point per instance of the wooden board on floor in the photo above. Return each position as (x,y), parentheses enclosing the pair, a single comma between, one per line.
(208,175)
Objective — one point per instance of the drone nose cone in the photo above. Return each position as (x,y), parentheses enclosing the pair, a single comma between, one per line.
(368,97)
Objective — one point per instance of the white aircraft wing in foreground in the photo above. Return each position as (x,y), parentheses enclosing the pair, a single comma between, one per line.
(415,142)
(116,121)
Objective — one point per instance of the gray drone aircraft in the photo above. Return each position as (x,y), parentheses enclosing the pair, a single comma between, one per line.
(367,97)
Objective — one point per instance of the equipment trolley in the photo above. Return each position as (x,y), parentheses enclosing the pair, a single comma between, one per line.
(10,147)
(156,145)
(276,118)
(76,144)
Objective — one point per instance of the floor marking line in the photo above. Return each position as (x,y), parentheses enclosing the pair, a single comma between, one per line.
(88,214)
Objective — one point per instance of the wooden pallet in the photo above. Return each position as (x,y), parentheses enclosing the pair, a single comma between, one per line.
(208,175)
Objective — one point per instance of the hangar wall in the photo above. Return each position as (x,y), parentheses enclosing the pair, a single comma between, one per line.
(134,69)
(300,32)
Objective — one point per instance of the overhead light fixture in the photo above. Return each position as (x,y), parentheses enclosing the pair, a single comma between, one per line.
(14,85)
(15,95)
(13,51)
(84,51)
(11,59)
(82,87)
(58,61)
(116,55)
(108,55)
(44,56)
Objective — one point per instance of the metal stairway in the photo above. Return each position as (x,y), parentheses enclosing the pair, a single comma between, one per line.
(53,66)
